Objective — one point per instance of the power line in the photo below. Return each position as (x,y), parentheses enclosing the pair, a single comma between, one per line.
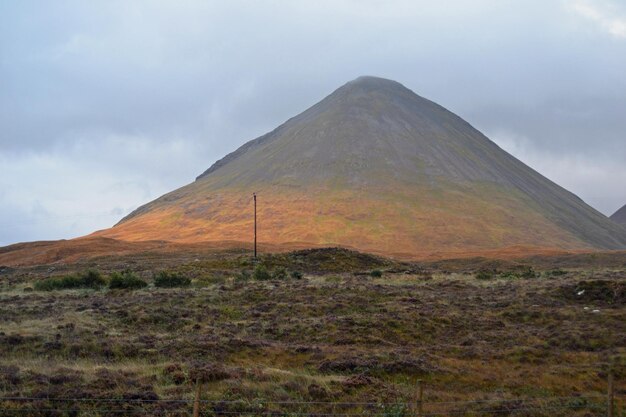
(183,400)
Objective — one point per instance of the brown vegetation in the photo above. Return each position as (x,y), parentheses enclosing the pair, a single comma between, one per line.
(337,334)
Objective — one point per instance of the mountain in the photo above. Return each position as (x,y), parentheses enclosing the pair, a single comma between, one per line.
(375,167)
(620,216)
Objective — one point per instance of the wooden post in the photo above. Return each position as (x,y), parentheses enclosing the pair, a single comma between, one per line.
(610,395)
(420,398)
(196,400)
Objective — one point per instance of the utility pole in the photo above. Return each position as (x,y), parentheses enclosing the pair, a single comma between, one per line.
(254,195)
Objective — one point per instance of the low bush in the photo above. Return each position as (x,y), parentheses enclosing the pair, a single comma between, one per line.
(485,274)
(279,273)
(126,280)
(60,283)
(89,279)
(296,275)
(395,410)
(92,279)
(376,273)
(166,279)
(261,273)
(528,273)
(244,275)
(215,278)
(509,275)
(556,273)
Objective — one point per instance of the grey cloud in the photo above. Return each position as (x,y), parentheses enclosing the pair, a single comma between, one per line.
(593,179)
(151,93)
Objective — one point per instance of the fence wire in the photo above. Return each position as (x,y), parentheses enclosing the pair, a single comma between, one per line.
(182,407)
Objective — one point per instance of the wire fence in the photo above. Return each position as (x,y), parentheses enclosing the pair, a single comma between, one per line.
(596,404)
(588,405)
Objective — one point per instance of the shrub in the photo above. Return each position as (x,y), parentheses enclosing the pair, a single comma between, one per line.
(92,279)
(215,278)
(260,273)
(296,275)
(279,273)
(376,273)
(524,272)
(394,410)
(89,279)
(529,273)
(127,280)
(244,275)
(485,274)
(60,283)
(556,273)
(166,279)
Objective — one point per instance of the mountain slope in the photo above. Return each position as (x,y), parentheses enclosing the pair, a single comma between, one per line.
(620,216)
(375,167)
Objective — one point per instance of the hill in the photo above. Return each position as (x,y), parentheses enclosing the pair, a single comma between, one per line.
(620,216)
(374,167)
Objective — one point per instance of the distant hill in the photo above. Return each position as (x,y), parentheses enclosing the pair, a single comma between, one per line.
(620,216)
(374,167)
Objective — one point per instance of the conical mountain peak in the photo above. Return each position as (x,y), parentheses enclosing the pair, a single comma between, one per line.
(376,167)
(372,80)
(372,88)
(366,126)
(371,83)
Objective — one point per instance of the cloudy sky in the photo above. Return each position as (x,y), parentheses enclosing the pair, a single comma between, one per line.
(105,105)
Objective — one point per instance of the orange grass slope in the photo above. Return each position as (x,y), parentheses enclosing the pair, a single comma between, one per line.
(377,168)
(388,224)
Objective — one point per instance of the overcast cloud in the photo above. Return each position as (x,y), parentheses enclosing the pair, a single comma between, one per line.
(105,105)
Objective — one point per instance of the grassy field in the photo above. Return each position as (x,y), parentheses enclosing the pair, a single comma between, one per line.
(473,330)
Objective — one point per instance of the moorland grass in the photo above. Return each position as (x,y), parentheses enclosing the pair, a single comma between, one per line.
(335,334)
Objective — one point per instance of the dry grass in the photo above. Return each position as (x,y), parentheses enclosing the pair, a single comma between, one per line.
(398,221)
